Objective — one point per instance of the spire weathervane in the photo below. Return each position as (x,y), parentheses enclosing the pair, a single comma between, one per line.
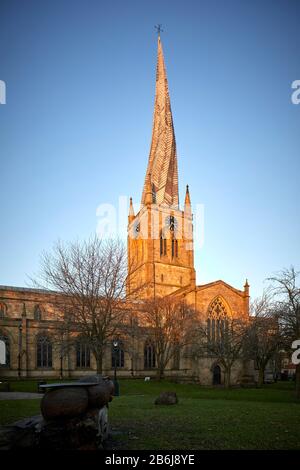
(158,28)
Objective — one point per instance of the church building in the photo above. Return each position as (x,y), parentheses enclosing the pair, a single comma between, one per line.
(160,263)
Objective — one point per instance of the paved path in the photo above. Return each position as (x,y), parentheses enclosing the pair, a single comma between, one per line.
(19,395)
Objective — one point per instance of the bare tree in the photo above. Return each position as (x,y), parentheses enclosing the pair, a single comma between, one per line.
(170,325)
(89,278)
(131,332)
(285,286)
(263,336)
(63,340)
(225,343)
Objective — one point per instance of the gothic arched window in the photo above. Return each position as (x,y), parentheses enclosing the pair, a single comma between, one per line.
(43,352)
(37,314)
(174,248)
(217,321)
(83,355)
(149,355)
(6,341)
(117,355)
(163,244)
(2,310)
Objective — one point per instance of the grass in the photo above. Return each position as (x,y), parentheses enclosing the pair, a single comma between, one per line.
(29,385)
(13,410)
(205,418)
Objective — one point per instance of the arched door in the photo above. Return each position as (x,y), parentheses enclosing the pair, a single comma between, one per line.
(216,375)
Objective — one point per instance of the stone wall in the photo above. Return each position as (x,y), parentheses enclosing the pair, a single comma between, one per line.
(22,329)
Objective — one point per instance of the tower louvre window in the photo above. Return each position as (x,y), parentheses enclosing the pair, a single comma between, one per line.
(174,248)
(162,245)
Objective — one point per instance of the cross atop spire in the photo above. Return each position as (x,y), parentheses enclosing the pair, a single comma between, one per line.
(162,164)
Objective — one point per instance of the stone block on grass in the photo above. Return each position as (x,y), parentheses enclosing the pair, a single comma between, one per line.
(166,398)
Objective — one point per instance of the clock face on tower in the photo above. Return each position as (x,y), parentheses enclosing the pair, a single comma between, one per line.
(136,229)
(171,223)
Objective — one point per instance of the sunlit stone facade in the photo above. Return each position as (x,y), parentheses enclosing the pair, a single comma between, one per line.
(161,262)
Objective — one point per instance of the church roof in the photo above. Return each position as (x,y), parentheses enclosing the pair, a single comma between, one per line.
(187,290)
(26,289)
(162,164)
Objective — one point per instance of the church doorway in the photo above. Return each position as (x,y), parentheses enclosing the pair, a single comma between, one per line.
(216,375)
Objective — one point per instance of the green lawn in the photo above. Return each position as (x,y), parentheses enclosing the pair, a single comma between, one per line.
(204,418)
(29,385)
(13,410)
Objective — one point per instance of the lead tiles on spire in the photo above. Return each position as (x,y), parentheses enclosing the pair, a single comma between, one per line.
(162,164)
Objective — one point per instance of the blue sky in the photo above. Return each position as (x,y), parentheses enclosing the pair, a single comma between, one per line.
(75,131)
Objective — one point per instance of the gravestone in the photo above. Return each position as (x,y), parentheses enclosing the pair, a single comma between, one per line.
(166,398)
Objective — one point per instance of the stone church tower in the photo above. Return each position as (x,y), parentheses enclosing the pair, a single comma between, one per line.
(160,235)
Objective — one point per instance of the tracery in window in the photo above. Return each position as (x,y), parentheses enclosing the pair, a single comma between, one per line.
(217,321)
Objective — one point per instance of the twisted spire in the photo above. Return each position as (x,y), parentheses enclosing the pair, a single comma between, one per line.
(162,164)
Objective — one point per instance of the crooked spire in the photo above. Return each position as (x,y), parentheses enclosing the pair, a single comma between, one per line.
(162,164)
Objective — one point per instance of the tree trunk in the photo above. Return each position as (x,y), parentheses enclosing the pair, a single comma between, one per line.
(227,376)
(99,357)
(160,372)
(261,376)
(298,381)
